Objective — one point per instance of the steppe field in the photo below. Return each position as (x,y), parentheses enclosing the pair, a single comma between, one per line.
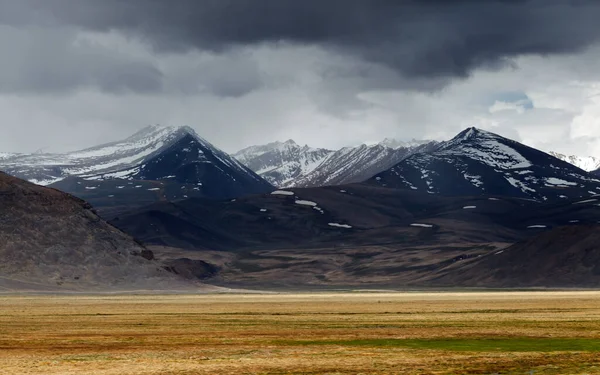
(317,333)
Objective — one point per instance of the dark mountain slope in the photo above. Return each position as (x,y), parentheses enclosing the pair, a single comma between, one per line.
(350,235)
(191,160)
(376,215)
(477,162)
(563,257)
(303,218)
(49,239)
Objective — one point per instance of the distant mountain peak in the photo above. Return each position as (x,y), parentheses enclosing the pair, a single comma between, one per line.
(474,133)
(286,164)
(480,162)
(152,131)
(173,154)
(396,143)
(587,163)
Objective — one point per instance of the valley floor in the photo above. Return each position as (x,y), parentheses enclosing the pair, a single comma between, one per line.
(318,333)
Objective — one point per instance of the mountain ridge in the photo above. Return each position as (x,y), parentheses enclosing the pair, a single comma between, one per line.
(286,164)
(156,155)
(477,162)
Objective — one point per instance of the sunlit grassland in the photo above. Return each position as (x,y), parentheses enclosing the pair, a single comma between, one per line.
(327,333)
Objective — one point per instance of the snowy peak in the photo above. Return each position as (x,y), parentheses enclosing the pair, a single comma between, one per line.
(480,162)
(587,163)
(486,147)
(396,144)
(176,154)
(473,136)
(281,163)
(471,133)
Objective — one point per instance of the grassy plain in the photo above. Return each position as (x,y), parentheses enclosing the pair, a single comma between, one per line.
(322,333)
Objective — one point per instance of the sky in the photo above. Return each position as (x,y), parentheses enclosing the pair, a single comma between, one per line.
(76,73)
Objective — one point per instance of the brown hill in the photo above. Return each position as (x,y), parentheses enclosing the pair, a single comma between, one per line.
(563,257)
(50,240)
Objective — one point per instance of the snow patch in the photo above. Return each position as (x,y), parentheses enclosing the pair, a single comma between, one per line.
(282,192)
(337,225)
(421,225)
(306,203)
(558,182)
(474,180)
(586,201)
(518,184)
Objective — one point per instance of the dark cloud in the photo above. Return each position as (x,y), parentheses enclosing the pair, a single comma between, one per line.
(418,39)
(55,61)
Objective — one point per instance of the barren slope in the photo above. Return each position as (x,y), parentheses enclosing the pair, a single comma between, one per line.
(51,240)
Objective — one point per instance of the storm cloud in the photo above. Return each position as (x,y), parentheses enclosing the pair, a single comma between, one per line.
(329,73)
(417,39)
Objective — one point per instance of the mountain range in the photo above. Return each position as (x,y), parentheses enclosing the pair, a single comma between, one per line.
(286,164)
(289,165)
(416,214)
(169,163)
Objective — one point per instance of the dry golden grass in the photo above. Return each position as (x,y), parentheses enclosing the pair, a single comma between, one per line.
(352,333)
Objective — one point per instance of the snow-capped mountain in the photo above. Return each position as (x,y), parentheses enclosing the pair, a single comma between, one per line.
(478,162)
(282,163)
(356,164)
(286,164)
(587,163)
(396,143)
(156,153)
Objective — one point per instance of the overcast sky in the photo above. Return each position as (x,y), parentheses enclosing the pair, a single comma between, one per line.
(329,73)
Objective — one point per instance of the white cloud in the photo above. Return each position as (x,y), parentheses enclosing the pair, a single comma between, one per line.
(500,105)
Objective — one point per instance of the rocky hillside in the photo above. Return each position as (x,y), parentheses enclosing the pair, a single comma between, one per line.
(51,240)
